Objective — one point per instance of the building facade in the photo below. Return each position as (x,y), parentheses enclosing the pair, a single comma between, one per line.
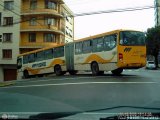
(45,23)
(9,39)
(28,25)
(157,12)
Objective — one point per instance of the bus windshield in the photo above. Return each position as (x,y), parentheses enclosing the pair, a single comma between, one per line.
(132,38)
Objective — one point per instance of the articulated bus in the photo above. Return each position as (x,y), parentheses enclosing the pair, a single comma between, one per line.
(111,51)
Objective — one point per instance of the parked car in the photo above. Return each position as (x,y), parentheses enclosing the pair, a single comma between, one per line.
(150,65)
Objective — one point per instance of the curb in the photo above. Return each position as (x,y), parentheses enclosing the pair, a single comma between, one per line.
(3,84)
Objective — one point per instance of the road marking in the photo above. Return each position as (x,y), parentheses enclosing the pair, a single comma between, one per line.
(90,77)
(35,80)
(78,83)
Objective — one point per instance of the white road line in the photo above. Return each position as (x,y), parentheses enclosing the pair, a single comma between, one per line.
(78,83)
(56,79)
(36,80)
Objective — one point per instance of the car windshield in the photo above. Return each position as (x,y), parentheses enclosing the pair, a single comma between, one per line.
(132,38)
(79,57)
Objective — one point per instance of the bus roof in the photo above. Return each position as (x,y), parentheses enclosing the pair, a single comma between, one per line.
(83,39)
(103,34)
(38,50)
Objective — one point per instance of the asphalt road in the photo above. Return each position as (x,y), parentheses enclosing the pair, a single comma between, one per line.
(82,92)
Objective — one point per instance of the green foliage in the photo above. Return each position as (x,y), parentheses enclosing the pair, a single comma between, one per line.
(153,42)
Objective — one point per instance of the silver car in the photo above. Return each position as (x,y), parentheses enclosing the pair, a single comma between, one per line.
(150,65)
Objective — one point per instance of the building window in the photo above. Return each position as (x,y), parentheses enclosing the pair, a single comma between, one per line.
(8,5)
(50,4)
(48,37)
(8,21)
(7,53)
(33,4)
(33,21)
(32,37)
(7,37)
(50,21)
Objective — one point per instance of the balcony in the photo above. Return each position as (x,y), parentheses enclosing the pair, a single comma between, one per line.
(36,45)
(58,1)
(39,41)
(40,28)
(44,12)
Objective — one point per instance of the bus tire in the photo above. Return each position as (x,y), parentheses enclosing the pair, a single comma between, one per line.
(117,71)
(95,68)
(25,74)
(73,72)
(58,70)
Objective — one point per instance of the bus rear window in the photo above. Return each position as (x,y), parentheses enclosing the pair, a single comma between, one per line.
(132,38)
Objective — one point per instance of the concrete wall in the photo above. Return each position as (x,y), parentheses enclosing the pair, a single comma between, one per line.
(15,30)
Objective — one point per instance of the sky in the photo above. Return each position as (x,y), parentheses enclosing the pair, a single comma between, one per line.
(98,23)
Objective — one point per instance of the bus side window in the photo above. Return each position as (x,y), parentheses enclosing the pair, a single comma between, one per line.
(40,56)
(48,54)
(106,43)
(25,59)
(78,48)
(61,51)
(87,46)
(100,44)
(94,45)
(113,40)
(110,42)
(58,52)
(31,58)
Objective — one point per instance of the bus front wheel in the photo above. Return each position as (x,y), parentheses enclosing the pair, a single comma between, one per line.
(95,68)
(58,70)
(117,71)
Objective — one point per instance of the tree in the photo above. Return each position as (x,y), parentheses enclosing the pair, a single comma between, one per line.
(153,42)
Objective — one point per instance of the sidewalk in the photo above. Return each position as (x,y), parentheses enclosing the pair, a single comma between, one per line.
(3,84)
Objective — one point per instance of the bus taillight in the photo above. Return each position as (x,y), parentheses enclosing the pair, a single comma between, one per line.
(120,56)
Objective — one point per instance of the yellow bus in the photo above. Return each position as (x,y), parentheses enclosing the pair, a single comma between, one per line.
(42,61)
(111,51)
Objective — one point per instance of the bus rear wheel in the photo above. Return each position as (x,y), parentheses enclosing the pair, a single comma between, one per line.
(58,70)
(25,74)
(95,68)
(117,71)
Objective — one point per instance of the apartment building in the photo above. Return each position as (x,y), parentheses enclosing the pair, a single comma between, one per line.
(157,12)
(27,25)
(45,23)
(9,38)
